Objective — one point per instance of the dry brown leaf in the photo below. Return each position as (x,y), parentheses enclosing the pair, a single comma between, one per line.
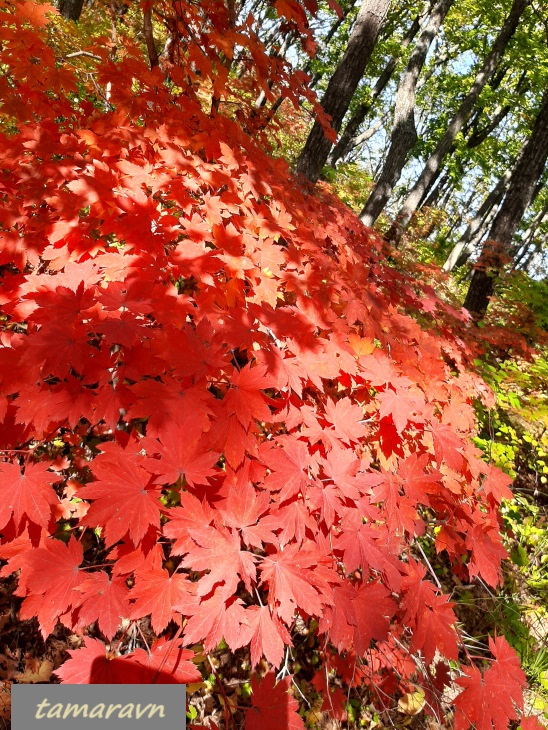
(36,671)
(412,702)
(5,701)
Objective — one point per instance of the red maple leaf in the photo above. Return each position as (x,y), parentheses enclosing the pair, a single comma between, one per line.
(167,658)
(417,483)
(496,484)
(362,546)
(50,574)
(27,493)
(219,617)
(181,453)
(272,707)
(103,600)
(242,510)
(269,637)
(291,582)
(78,669)
(373,609)
(532,722)
(430,615)
(288,460)
(93,665)
(219,551)
(125,500)
(190,515)
(401,405)
(447,445)
(342,466)
(487,551)
(346,418)
(244,398)
(489,701)
(161,595)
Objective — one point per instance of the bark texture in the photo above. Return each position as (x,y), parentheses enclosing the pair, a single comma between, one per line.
(493,199)
(530,242)
(348,140)
(71,9)
(343,84)
(149,38)
(462,115)
(520,193)
(404,133)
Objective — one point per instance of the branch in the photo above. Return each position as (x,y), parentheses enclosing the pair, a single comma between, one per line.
(149,38)
(84,53)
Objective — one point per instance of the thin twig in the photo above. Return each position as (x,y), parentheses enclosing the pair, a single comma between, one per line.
(228,710)
(84,53)
(434,576)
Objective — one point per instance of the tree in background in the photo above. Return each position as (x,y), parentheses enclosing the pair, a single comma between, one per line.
(349,139)
(71,9)
(404,133)
(342,85)
(517,199)
(434,162)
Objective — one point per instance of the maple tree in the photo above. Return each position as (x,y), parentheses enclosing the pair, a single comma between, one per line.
(216,411)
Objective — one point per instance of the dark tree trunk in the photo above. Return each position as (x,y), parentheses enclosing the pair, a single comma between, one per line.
(149,38)
(459,120)
(404,133)
(518,197)
(343,84)
(347,142)
(71,9)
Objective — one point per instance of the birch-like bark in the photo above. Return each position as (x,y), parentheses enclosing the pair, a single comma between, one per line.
(529,245)
(493,199)
(432,196)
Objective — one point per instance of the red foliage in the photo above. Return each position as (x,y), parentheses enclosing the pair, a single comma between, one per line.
(273,707)
(490,700)
(211,372)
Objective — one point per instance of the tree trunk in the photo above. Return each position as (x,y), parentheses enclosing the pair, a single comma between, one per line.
(431,197)
(404,133)
(528,238)
(71,9)
(343,84)
(364,136)
(457,123)
(481,221)
(493,199)
(149,38)
(518,197)
(347,142)
(334,28)
(534,248)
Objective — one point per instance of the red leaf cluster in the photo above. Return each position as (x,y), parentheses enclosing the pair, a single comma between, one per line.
(208,378)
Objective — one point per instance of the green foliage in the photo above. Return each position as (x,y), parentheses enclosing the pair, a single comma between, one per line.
(350,182)
(514,436)
(519,289)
